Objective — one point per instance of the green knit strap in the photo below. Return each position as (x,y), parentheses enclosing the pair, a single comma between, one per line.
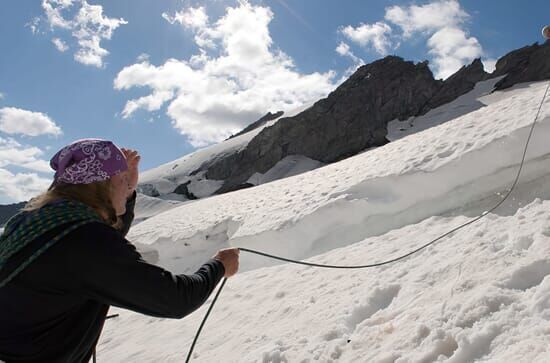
(25,227)
(40,251)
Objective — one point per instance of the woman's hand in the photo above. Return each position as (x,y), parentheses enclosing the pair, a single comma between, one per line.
(132,158)
(230,259)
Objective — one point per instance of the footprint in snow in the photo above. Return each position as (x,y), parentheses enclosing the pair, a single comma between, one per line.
(528,276)
(380,299)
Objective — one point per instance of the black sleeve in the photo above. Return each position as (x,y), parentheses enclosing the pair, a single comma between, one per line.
(128,216)
(109,269)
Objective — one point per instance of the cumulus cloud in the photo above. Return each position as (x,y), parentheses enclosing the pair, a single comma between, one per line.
(489,65)
(143,57)
(34,25)
(17,121)
(53,9)
(451,49)
(22,186)
(375,35)
(442,22)
(344,50)
(194,18)
(236,76)
(88,26)
(426,18)
(60,45)
(25,156)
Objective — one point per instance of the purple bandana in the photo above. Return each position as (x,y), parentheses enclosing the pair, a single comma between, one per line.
(86,161)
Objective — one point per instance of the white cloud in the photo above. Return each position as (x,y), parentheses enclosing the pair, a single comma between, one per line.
(17,121)
(143,57)
(344,50)
(375,35)
(236,76)
(489,65)
(451,49)
(442,22)
(22,186)
(34,25)
(60,45)
(88,26)
(24,156)
(1,96)
(426,18)
(193,18)
(53,9)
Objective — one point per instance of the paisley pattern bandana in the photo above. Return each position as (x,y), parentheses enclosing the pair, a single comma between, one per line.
(86,161)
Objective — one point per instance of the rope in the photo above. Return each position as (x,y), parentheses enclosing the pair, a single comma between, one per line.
(514,184)
(204,320)
(94,355)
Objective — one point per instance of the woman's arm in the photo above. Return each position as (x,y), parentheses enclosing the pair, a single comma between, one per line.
(109,269)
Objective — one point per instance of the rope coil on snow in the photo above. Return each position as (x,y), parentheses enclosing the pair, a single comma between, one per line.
(514,184)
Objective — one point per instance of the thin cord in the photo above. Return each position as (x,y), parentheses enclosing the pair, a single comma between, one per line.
(204,321)
(394,259)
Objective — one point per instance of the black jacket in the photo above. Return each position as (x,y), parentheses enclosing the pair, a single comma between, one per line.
(54,310)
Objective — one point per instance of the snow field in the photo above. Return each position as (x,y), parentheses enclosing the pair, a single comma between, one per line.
(482,294)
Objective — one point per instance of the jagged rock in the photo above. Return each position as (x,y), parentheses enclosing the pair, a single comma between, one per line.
(527,64)
(351,119)
(148,189)
(463,81)
(183,190)
(262,121)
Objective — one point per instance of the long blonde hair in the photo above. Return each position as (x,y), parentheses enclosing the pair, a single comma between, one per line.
(96,195)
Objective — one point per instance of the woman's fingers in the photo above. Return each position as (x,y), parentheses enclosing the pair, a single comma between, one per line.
(131,155)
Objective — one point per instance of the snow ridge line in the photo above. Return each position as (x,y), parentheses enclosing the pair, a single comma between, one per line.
(394,259)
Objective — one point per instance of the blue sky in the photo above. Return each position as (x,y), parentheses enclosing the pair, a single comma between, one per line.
(166,77)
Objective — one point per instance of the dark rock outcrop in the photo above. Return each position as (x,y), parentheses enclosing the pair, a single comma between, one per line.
(527,64)
(183,190)
(463,81)
(352,118)
(148,189)
(262,121)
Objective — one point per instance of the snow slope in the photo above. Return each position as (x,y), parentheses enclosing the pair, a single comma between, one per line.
(462,105)
(166,177)
(480,295)
(147,207)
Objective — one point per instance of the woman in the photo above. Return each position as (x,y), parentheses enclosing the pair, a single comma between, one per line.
(64,260)
(546,33)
